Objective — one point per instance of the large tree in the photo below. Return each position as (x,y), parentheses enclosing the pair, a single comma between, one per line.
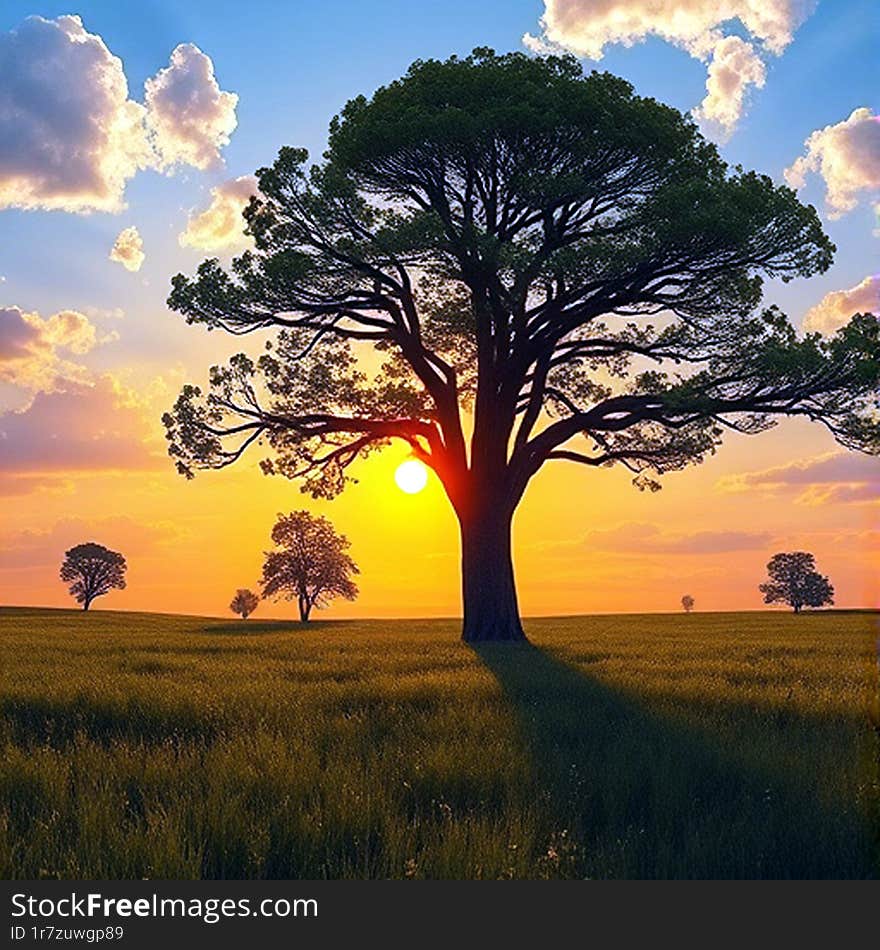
(553,267)
(92,570)
(795,581)
(310,564)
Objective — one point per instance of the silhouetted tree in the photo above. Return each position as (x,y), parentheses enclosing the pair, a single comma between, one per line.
(795,581)
(312,566)
(687,602)
(244,603)
(521,242)
(92,571)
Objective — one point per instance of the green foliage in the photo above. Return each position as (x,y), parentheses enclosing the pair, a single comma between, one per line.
(530,243)
(717,745)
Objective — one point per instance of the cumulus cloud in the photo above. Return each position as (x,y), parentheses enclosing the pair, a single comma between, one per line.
(85,427)
(221,226)
(190,118)
(587,27)
(18,335)
(70,136)
(834,477)
(71,330)
(734,66)
(128,249)
(835,309)
(846,156)
(31,347)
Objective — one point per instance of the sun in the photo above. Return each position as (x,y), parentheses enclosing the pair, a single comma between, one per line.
(411,476)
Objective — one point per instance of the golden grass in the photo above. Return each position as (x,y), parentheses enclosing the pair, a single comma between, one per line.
(710,745)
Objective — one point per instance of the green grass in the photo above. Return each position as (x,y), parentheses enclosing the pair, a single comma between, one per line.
(714,745)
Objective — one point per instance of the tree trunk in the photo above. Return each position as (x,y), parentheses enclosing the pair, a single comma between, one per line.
(305,608)
(86,603)
(491,613)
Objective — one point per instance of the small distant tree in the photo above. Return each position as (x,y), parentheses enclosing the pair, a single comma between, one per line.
(795,581)
(687,602)
(92,570)
(312,565)
(244,603)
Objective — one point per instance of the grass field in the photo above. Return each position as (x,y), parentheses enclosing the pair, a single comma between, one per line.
(713,745)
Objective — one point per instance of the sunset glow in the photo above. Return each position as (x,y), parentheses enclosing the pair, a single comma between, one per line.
(411,476)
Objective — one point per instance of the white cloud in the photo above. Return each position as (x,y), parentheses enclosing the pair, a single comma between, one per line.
(835,309)
(31,347)
(847,156)
(70,136)
(587,27)
(70,330)
(128,249)
(735,65)
(221,226)
(190,118)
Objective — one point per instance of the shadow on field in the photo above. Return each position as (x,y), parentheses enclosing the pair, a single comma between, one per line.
(627,793)
(41,722)
(261,628)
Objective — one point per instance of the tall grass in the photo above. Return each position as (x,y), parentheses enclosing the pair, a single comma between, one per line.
(715,745)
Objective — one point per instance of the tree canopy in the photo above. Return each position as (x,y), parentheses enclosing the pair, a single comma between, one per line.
(572,264)
(311,565)
(244,603)
(92,570)
(795,581)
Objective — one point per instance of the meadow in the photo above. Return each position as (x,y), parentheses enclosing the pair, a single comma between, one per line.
(709,745)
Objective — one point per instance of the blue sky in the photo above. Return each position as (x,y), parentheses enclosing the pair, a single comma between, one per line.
(294,64)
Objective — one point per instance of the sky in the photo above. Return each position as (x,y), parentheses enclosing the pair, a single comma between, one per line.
(128,137)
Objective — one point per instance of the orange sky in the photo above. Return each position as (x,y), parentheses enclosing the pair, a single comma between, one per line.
(585,540)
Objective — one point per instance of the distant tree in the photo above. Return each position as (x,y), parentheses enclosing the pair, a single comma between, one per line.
(312,566)
(553,269)
(795,581)
(244,603)
(687,602)
(92,571)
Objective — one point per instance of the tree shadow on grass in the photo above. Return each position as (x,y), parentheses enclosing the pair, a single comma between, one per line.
(261,628)
(623,792)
